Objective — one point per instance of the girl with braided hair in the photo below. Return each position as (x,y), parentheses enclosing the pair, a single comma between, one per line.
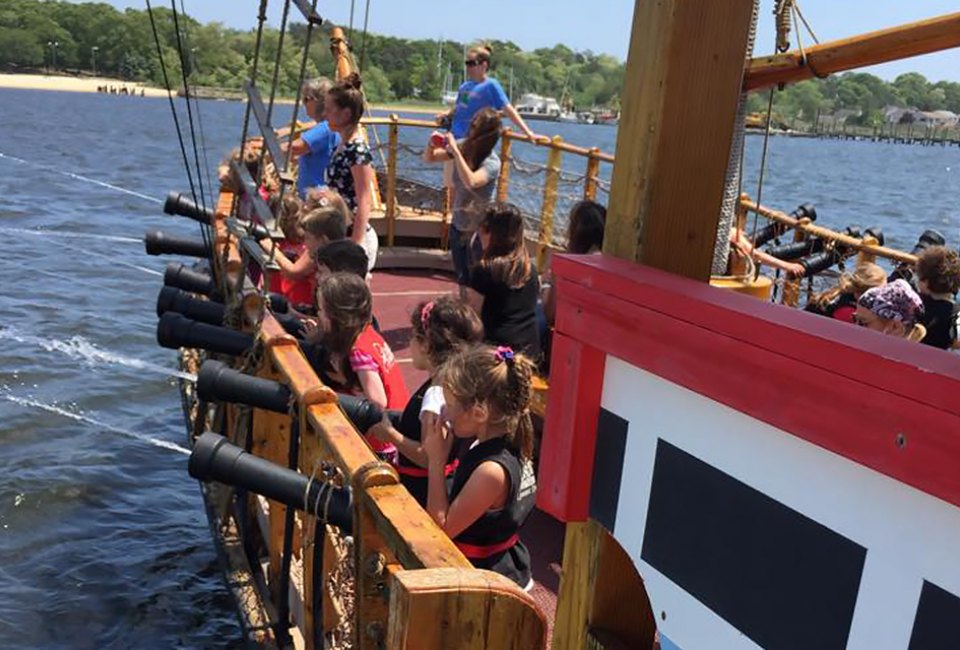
(440,327)
(487,394)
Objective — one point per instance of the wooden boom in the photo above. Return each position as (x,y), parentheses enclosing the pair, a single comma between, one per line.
(903,42)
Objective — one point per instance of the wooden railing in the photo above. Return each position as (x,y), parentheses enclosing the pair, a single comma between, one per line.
(411,586)
(554,165)
(594,157)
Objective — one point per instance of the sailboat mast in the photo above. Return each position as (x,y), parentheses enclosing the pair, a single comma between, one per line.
(684,73)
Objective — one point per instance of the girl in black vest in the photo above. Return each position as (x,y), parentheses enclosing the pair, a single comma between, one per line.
(440,327)
(487,394)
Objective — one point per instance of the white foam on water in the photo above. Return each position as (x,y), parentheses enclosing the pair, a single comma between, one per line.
(64,234)
(52,408)
(113,259)
(80,348)
(81,178)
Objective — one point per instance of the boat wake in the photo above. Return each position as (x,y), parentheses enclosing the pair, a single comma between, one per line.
(68,235)
(78,177)
(79,417)
(77,347)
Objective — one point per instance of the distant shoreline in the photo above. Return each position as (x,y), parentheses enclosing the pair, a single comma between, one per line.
(68,83)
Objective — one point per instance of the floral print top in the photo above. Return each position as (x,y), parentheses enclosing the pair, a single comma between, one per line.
(339,176)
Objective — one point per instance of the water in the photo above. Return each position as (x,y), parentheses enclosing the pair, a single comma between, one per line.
(103,538)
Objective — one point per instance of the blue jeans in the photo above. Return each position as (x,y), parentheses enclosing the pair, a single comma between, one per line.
(459,243)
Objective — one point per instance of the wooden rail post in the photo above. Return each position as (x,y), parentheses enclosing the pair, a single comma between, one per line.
(549,206)
(392,178)
(593,170)
(683,78)
(503,182)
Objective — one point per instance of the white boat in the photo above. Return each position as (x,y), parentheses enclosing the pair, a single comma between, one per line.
(450,97)
(537,107)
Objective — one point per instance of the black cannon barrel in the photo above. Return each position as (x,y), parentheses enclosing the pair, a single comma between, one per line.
(927,239)
(176,331)
(205,311)
(178,204)
(775,229)
(360,411)
(818,262)
(218,382)
(796,249)
(876,232)
(159,243)
(181,276)
(214,458)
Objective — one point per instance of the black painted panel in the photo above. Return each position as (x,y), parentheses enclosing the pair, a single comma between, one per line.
(937,625)
(782,579)
(607,468)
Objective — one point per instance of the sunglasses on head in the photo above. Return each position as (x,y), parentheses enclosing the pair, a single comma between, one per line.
(472,62)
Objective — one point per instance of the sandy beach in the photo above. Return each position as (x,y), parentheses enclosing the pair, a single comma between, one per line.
(66,83)
(73,84)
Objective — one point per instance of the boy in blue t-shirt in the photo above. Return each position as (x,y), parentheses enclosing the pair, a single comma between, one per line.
(480,91)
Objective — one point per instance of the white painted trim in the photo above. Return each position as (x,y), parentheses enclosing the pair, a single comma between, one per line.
(909,535)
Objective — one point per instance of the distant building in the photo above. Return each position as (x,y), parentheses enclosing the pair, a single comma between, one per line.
(937,118)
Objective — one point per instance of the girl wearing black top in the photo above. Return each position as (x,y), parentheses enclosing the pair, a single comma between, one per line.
(440,327)
(487,393)
(504,286)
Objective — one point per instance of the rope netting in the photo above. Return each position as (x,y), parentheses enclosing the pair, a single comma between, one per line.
(420,184)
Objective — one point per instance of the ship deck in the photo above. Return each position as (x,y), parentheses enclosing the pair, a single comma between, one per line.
(395,293)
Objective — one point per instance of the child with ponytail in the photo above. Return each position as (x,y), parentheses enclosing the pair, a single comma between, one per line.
(440,327)
(487,394)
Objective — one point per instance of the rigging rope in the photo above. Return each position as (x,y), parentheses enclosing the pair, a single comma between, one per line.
(204,228)
(363,44)
(186,90)
(173,108)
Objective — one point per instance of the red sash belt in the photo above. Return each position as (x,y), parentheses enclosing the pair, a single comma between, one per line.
(475,552)
(421,472)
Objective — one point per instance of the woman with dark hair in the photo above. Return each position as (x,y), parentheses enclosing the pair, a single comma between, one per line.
(584,237)
(504,283)
(350,171)
(477,168)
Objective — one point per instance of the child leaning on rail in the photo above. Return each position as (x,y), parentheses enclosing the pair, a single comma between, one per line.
(440,327)
(305,232)
(356,359)
(487,392)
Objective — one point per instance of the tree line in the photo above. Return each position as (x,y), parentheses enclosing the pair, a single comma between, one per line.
(83,37)
(861,96)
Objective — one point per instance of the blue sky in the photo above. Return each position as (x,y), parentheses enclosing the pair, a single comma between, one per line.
(601,25)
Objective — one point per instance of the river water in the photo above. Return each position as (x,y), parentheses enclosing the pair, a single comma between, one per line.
(103,539)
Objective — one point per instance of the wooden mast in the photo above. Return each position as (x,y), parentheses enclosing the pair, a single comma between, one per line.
(682,85)
(681,89)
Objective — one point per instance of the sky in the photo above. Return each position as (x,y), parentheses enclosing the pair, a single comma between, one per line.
(602,26)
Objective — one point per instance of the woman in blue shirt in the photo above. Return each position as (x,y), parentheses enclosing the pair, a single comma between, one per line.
(315,145)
